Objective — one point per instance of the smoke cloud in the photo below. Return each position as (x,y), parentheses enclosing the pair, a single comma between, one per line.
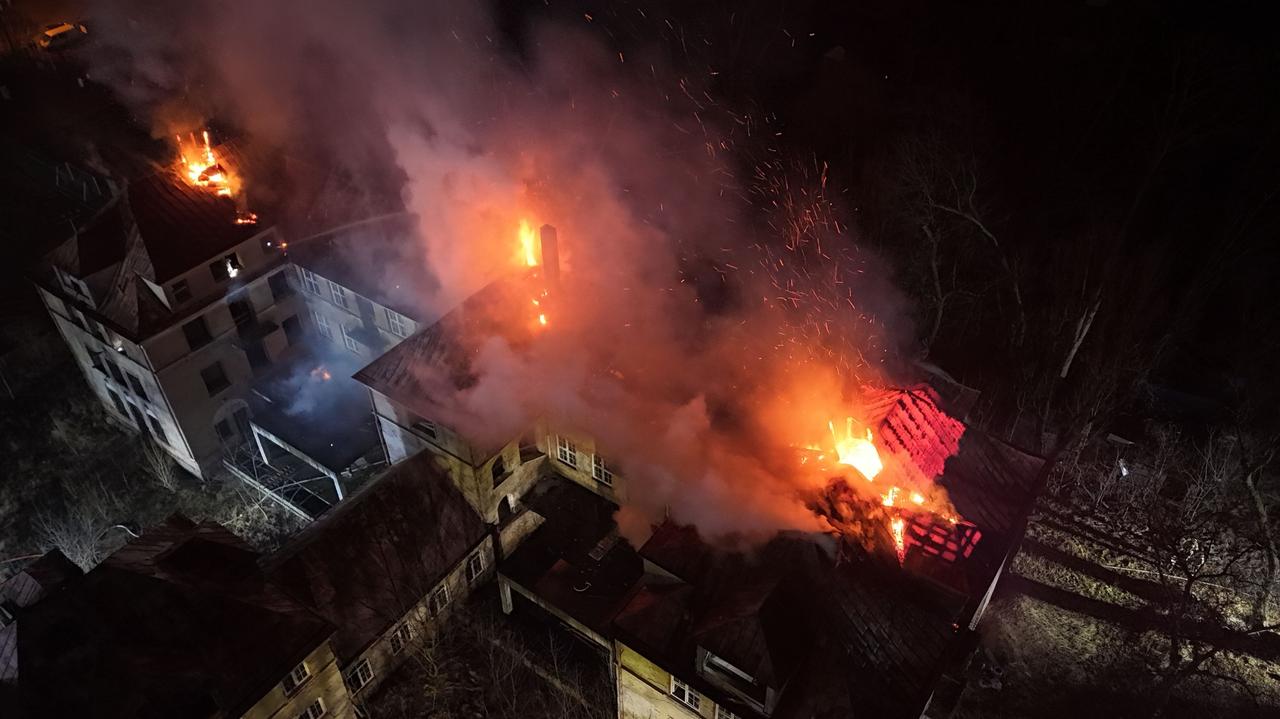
(715,312)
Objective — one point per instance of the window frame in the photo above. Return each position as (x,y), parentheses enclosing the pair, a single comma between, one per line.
(118,401)
(400,637)
(310,281)
(396,322)
(157,429)
(600,471)
(292,682)
(338,294)
(114,370)
(311,711)
(322,324)
(567,451)
(357,671)
(181,291)
(432,607)
(351,343)
(284,290)
(226,381)
(203,323)
(476,557)
(722,713)
(427,427)
(135,384)
(690,698)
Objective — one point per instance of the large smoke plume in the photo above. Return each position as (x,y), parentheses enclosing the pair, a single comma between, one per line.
(716,310)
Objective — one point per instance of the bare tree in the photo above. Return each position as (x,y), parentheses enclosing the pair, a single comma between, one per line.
(160,464)
(78,527)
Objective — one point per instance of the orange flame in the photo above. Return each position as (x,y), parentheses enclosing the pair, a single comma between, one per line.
(898,527)
(528,243)
(857,452)
(202,167)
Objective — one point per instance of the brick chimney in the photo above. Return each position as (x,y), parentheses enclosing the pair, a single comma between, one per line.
(550,258)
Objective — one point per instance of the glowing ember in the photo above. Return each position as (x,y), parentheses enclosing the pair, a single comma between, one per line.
(244,217)
(890,496)
(528,243)
(917,498)
(321,374)
(857,452)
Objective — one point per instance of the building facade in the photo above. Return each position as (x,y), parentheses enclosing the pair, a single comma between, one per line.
(170,332)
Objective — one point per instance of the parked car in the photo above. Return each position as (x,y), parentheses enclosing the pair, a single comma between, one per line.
(61,35)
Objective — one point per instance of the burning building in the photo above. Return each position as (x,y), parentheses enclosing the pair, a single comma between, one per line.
(796,627)
(171,306)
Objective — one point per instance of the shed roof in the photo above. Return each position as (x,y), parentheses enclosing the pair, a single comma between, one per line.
(179,622)
(364,564)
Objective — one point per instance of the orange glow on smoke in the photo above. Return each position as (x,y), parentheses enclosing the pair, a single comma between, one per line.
(855,451)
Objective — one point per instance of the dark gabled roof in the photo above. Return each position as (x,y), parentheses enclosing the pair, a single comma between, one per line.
(367,562)
(381,258)
(183,226)
(828,633)
(38,579)
(575,559)
(436,361)
(179,622)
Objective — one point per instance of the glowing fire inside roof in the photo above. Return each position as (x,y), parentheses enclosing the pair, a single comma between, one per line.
(202,167)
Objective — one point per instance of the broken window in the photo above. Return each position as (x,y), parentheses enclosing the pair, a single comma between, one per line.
(427,427)
(297,678)
(181,291)
(157,429)
(314,710)
(114,370)
(567,451)
(279,284)
(475,566)
(497,470)
(119,403)
(197,333)
(322,325)
(136,385)
(360,676)
(348,341)
(400,637)
(215,378)
(225,268)
(684,694)
(439,600)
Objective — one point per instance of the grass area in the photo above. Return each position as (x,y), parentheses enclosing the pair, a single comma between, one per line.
(1059,660)
(70,475)
(484,664)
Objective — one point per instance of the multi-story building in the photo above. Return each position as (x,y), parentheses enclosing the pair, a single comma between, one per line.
(179,622)
(187,621)
(792,629)
(362,284)
(171,304)
(387,566)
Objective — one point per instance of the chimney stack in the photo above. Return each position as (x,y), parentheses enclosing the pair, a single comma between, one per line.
(550,258)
